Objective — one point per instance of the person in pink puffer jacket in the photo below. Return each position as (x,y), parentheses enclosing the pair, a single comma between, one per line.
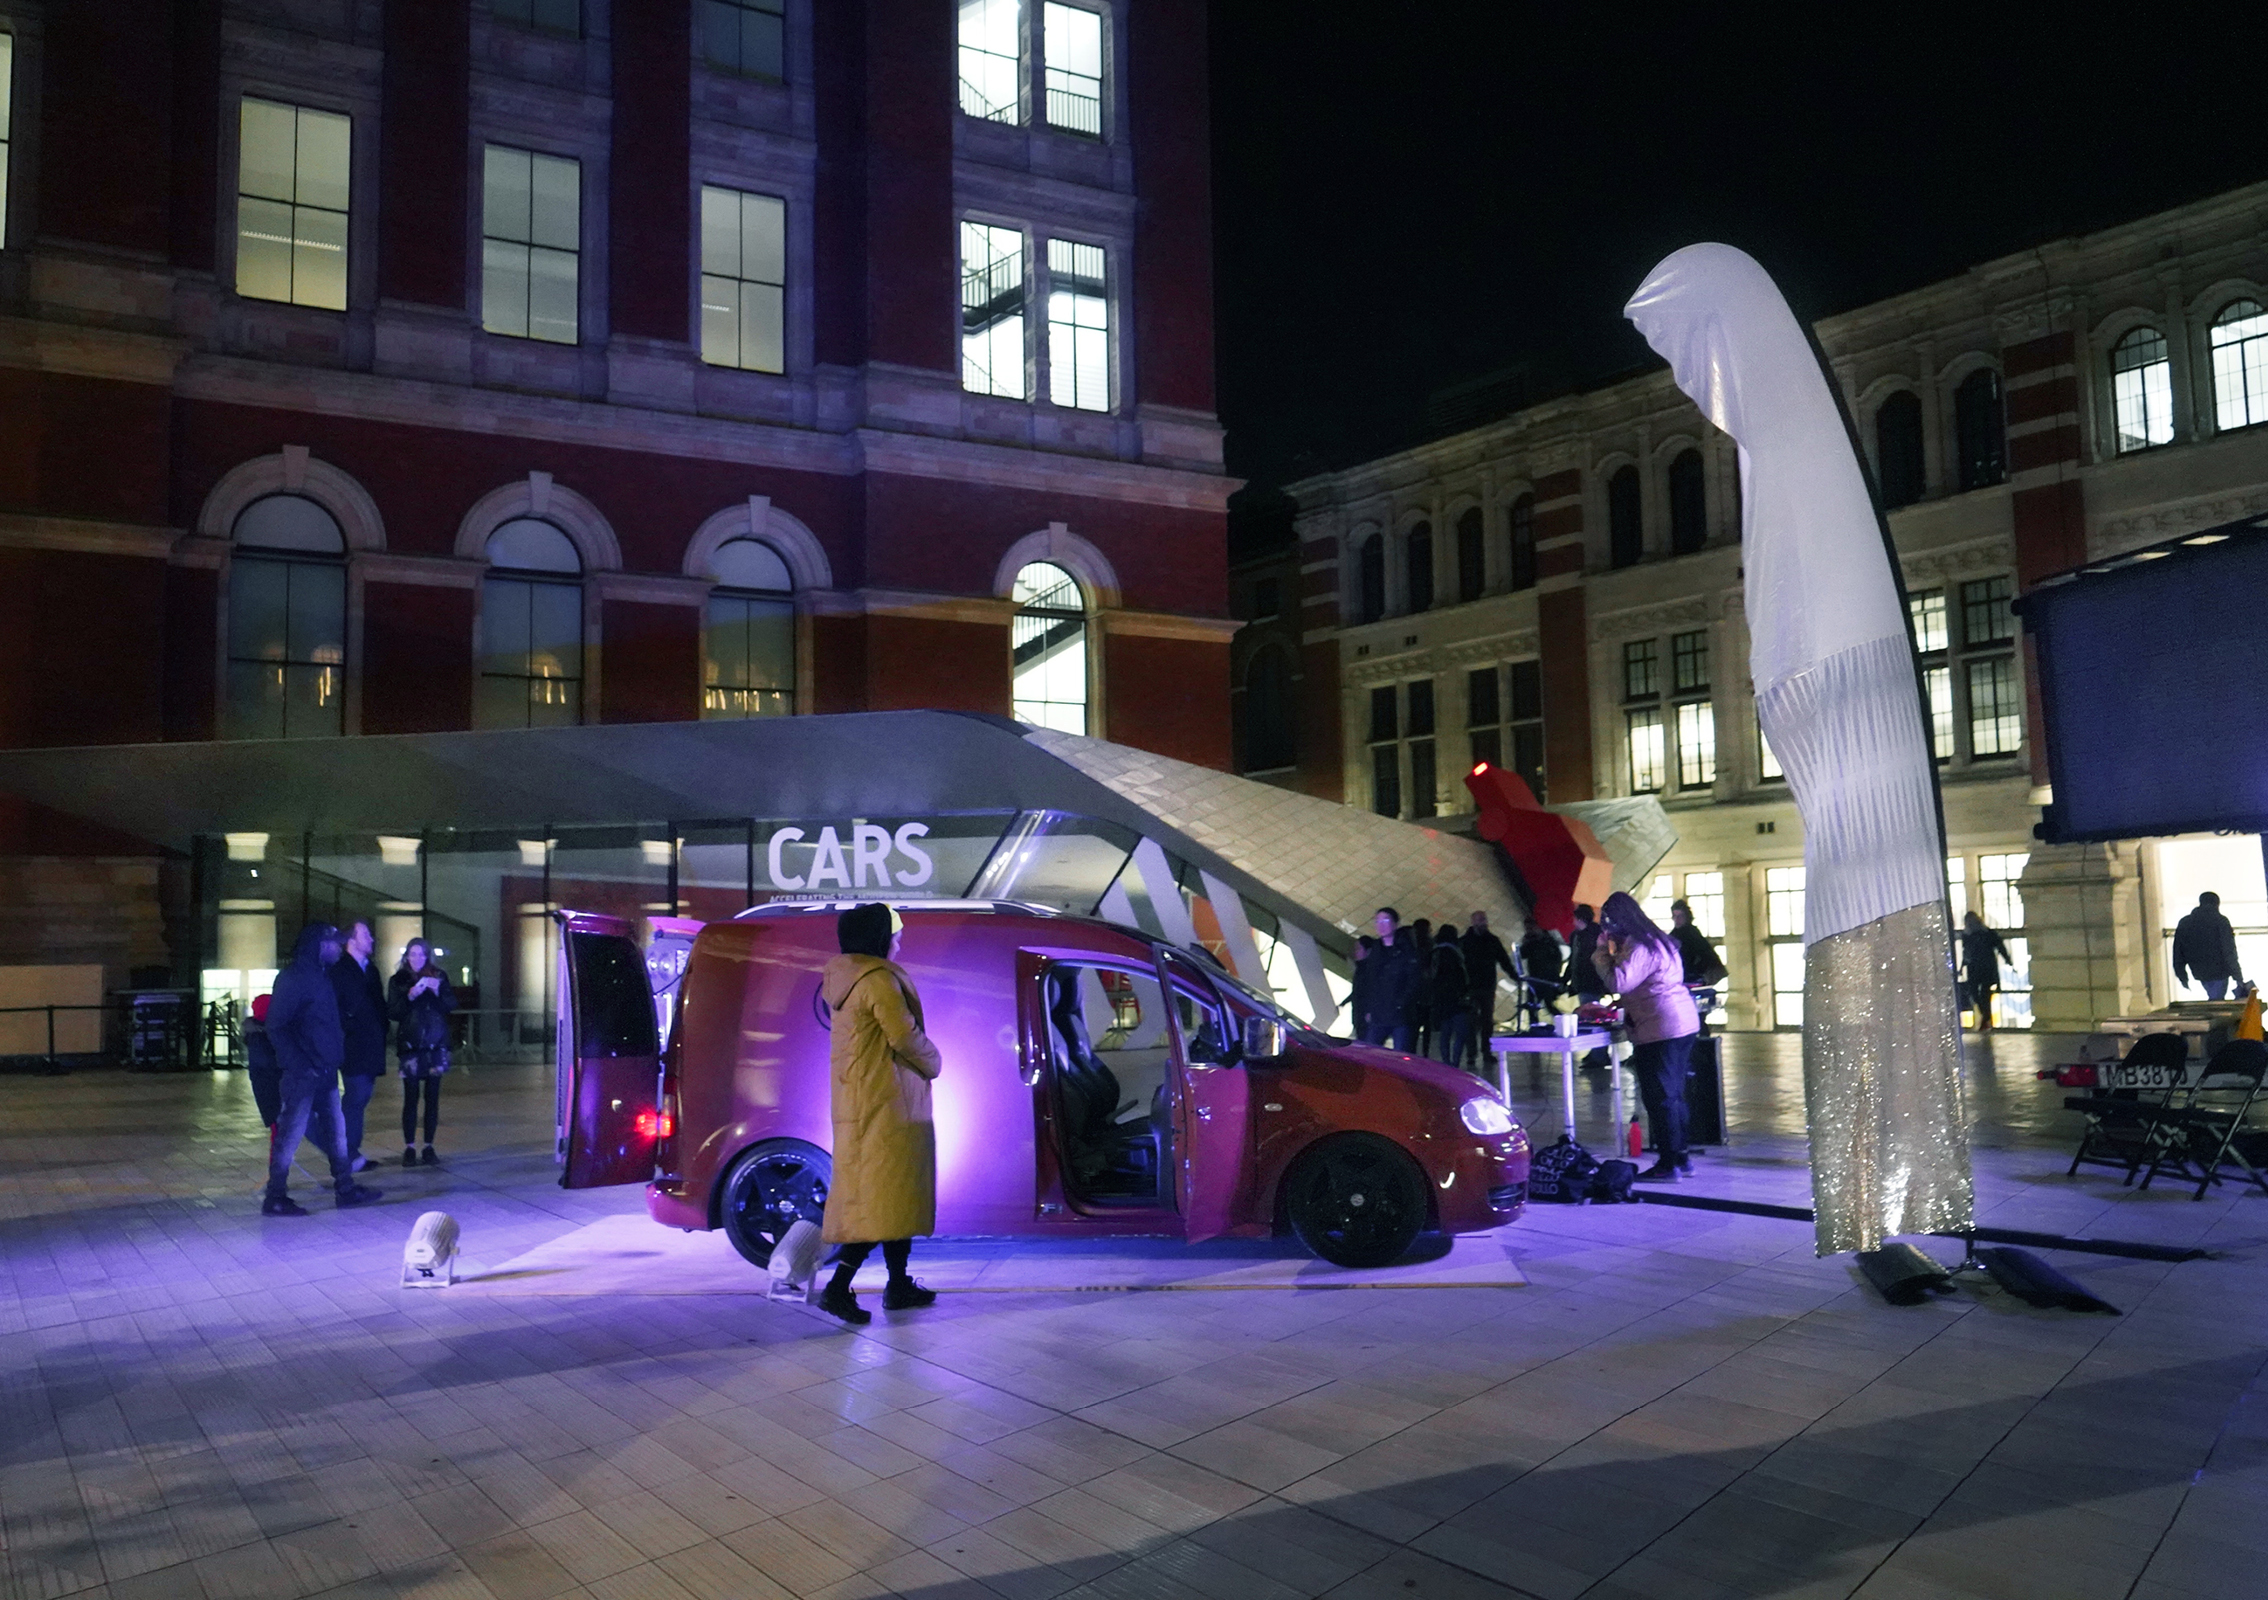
(1641,963)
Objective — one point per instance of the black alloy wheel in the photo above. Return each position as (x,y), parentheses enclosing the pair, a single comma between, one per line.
(1358,1201)
(768,1189)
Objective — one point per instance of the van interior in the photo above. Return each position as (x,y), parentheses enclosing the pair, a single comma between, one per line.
(1111,1054)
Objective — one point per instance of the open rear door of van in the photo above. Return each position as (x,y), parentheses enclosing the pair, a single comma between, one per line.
(609,1055)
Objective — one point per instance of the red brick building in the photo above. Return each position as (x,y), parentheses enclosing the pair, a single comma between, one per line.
(480,363)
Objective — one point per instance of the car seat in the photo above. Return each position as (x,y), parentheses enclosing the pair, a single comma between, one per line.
(1098,1146)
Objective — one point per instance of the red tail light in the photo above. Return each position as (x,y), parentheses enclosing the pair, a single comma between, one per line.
(655,1125)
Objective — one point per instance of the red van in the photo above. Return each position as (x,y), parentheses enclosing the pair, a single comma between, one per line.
(1097,1081)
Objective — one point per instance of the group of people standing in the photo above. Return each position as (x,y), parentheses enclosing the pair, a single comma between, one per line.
(317,1047)
(1430,991)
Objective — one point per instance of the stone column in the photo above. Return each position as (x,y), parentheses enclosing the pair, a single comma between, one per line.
(2083,917)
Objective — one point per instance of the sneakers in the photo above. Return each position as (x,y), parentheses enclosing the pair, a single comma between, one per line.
(1659,1172)
(907,1296)
(842,1303)
(281,1205)
(409,1155)
(429,1159)
(359,1195)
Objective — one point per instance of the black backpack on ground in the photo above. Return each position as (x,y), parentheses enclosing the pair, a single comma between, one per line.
(1610,1185)
(1564,1173)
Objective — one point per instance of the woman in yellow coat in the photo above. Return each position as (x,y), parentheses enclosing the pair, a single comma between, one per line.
(884,1187)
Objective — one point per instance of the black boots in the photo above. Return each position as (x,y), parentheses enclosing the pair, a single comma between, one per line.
(281,1205)
(904,1294)
(838,1301)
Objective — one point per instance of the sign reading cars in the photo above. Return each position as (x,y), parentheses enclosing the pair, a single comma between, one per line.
(872,858)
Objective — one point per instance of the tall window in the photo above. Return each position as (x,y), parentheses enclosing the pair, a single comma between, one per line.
(1528,725)
(992,52)
(1417,551)
(1424,794)
(1898,449)
(531,233)
(1646,753)
(992,310)
(1078,323)
(1996,708)
(2240,365)
(291,203)
(1484,719)
(743,280)
(1268,740)
(1931,641)
(1370,579)
(1783,923)
(1523,528)
(745,36)
(1626,539)
(1048,649)
(1696,719)
(1073,43)
(1472,556)
(1979,434)
(286,622)
(1385,753)
(1688,503)
(2001,904)
(7,78)
(2142,390)
(552,16)
(531,629)
(748,650)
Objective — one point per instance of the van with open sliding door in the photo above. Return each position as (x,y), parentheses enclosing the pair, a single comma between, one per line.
(1097,1081)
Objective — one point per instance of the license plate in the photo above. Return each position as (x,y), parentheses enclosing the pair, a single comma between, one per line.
(2120,1076)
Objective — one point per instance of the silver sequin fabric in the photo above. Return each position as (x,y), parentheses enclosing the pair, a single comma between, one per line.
(1882,1080)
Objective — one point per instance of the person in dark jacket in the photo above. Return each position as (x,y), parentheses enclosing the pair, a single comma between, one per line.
(2204,948)
(1449,1017)
(1540,964)
(1384,981)
(1582,975)
(1418,1012)
(303,1026)
(260,1067)
(419,1000)
(1485,956)
(362,1018)
(1982,952)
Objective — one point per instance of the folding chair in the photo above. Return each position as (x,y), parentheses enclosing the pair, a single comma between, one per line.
(2120,1131)
(2210,1130)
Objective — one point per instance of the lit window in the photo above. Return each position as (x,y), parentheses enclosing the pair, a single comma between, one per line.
(531,231)
(1979,433)
(1939,682)
(745,36)
(286,622)
(1705,898)
(1078,325)
(1646,751)
(1655,902)
(1767,763)
(1074,46)
(531,629)
(743,280)
(1783,902)
(992,51)
(552,16)
(992,310)
(2240,365)
(1898,449)
(1689,661)
(1927,610)
(2000,900)
(2142,390)
(1641,669)
(1048,649)
(1783,925)
(1957,886)
(1996,711)
(7,78)
(1986,616)
(748,648)
(291,205)
(1696,745)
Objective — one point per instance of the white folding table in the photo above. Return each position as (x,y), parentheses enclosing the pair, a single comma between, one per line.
(1567,1047)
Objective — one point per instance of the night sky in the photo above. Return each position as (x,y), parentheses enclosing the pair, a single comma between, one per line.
(1413,195)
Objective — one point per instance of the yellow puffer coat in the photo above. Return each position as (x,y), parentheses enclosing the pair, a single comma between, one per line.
(880,1068)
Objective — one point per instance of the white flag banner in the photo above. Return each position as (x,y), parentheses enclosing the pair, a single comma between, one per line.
(1838,697)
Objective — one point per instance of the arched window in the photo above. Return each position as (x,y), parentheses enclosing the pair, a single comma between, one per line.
(1625,532)
(1688,504)
(1048,649)
(286,622)
(1268,741)
(2240,365)
(531,629)
(1898,449)
(1472,564)
(1370,580)
(1418,551)
(1523,521)
(748,650)
(2142,390)
(1979,435)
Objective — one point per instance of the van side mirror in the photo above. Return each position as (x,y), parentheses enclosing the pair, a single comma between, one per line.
(1265,1039)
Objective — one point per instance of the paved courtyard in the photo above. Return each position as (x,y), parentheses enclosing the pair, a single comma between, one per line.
(195,1401)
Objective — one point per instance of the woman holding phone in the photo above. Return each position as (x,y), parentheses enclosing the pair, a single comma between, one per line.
(1641,963)
(419,1001)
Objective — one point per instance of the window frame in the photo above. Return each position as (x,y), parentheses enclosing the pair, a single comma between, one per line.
(532,25)
(7,122)
(1980,440)
(288,561)
(293,207)
(739,68)
(1027,611)
(489,147)
(1044,260)
(740,594)
(702,277)
(2149,398)
(1019,65)
(1043,94)
(2245,357)
(1027,364)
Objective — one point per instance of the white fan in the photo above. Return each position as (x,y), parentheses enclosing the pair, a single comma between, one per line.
(794,1263)
(429,1260)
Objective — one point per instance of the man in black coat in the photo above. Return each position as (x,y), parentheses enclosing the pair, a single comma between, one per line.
(2204,948)
(303,1025)
(1582,972)
(362,1019)
(1485,957)
(1385,981)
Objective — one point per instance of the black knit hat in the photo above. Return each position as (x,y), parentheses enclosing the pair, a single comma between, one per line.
(865,930)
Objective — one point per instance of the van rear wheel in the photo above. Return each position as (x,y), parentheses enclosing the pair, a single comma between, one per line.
(768,1190)
(1358,1201)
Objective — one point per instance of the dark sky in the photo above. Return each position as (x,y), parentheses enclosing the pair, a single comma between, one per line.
(1413,194)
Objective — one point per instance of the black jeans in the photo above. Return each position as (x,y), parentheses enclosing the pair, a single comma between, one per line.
(310,1111)
(1661,1069)
(355,1090)
(410,1087)
(1401,1035)
(850,1257)
(267,1092)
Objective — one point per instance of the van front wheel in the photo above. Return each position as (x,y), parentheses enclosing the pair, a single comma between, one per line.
(768,1190)
(1356,1201)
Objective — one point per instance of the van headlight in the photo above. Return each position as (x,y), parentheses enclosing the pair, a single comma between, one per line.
(1486,1115)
